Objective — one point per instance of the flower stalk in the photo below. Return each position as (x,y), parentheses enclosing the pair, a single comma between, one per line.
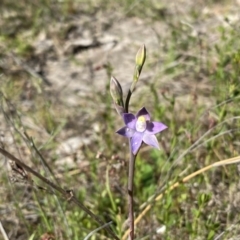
(139,62)
(138,128)
(131,169)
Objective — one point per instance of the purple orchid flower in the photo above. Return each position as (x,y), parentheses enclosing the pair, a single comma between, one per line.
(140,129)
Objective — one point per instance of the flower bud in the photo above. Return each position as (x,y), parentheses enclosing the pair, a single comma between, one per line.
(140,60)
(141,56)
(116,91)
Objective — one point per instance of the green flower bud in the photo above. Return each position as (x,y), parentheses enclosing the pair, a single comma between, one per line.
(116,91)
(140,60)
(141,56)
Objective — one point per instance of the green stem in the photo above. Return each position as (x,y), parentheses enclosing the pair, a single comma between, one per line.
(128,100)
(130,191)
(131,166)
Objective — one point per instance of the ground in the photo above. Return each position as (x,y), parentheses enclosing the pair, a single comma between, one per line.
(56,61)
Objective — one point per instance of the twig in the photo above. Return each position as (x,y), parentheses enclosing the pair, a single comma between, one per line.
(48,170)
(43,161)
(67,194)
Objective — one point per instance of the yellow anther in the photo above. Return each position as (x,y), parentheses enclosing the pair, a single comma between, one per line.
(141,124)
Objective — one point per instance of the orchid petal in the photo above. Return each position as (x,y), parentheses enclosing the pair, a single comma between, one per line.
(129,120)
(155,127)
(143,112)
(151,140)
(140,129)
(126,132)
(136,142)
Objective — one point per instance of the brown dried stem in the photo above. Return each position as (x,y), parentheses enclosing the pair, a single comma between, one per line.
(67,194)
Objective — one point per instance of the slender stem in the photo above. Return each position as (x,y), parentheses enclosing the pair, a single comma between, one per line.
(128,100)
(130,191)
(130,170)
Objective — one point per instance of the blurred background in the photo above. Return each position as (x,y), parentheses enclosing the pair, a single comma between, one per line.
(56,60)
